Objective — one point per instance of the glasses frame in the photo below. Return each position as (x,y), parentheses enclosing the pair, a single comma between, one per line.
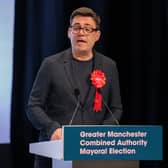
(84,29)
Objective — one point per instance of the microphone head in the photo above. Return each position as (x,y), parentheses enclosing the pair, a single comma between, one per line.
(76,92)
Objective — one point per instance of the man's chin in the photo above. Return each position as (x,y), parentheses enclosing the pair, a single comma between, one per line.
(81,49)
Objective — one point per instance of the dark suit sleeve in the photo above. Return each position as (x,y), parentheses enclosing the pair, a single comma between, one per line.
(36,110)
(114,101)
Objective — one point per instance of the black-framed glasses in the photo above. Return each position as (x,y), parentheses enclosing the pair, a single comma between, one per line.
(76,29)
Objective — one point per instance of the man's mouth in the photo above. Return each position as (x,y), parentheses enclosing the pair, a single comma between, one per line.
(81,41)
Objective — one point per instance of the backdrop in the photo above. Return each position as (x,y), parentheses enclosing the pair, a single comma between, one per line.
(134,34)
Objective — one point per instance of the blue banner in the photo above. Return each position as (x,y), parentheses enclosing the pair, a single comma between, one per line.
(112,142)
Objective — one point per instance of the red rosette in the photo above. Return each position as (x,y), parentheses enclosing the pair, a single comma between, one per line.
(98,80)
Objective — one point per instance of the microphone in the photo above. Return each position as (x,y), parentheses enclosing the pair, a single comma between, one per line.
(109,110)
(76,93)
(114,118)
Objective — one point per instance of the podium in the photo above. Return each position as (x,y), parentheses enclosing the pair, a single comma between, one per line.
(54,150)
(81,147)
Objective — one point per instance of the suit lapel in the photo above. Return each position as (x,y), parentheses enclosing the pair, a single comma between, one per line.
(66,60)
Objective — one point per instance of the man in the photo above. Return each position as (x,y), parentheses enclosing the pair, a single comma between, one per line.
(76,86)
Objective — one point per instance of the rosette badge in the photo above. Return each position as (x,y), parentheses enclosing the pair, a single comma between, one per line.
(98,80)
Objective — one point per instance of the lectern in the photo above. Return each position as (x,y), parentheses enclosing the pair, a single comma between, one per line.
(102,146)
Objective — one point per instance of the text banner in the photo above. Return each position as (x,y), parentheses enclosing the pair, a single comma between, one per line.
(113,142)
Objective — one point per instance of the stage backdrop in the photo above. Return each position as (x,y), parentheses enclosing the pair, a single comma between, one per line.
(134,34)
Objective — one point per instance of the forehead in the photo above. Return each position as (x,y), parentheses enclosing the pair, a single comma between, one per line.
(83,20)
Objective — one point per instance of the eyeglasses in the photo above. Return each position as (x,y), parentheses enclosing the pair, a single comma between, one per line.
(86,30)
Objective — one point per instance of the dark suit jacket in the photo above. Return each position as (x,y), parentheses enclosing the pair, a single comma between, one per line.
(52,100)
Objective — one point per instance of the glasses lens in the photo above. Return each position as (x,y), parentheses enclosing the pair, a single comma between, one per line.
(76,29)
(88,29)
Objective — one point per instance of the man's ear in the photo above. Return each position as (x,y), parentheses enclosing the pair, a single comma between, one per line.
(98,34)
(69,33)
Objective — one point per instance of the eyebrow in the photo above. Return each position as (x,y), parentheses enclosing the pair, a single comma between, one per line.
(84,24)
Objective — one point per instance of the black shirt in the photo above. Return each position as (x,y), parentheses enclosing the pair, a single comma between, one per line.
(81,74)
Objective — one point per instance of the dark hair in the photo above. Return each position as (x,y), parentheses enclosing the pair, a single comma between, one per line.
(84,11)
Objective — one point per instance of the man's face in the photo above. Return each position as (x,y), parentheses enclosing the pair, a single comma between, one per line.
(83,40)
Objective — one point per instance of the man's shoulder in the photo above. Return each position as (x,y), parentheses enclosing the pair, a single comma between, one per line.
(58,56)
(104,58)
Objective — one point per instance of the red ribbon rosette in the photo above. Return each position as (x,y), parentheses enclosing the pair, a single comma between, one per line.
(98,79)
